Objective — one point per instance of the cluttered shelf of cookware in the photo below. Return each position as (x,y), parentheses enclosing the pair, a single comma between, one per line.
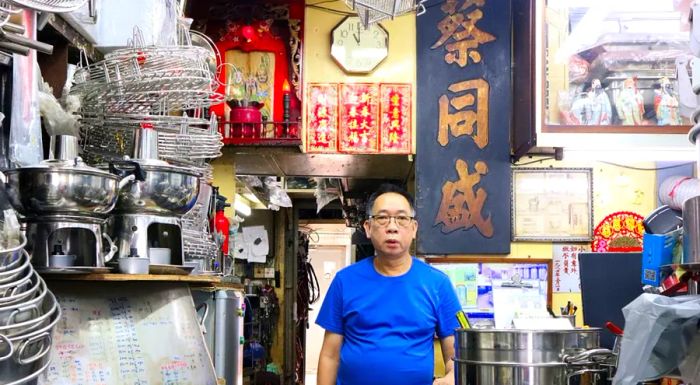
(198,280)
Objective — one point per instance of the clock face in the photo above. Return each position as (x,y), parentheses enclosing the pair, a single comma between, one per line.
(356,49)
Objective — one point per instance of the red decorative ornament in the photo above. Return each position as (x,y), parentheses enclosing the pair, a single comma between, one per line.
(248,33)
(622,231)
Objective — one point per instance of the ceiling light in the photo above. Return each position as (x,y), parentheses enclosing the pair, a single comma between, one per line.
(240,205)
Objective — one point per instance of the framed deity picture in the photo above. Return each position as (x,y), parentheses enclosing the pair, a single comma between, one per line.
(552,204)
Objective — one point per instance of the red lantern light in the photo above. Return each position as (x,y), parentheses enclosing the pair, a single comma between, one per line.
(248,33)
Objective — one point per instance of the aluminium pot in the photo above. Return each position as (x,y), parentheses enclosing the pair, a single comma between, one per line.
(165,189)
(26,356)
(526,357)
(63,187)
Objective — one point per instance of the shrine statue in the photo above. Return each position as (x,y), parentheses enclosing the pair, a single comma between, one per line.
(666,105)
(601,111)
(630,103)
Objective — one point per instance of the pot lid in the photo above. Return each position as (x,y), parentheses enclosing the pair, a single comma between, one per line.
(76,164)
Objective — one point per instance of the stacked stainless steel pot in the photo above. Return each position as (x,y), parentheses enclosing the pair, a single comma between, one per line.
(531,357)
(28,314)
(65,204)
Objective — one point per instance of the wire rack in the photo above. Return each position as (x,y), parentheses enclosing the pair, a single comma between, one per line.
(52,6)
(182,140)
(6,11)
(142,79)
(197,240)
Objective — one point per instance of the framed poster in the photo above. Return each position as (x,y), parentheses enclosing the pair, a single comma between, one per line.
(552,204)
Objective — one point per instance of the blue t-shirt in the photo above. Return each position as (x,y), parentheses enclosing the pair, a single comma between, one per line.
(388,323)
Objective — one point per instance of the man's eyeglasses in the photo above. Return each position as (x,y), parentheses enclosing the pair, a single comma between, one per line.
(383,220)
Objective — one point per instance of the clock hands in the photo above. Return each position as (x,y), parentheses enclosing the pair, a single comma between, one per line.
(357,36)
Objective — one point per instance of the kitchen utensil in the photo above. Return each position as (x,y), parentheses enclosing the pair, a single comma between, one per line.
(159,255)
(532,357)
(61,260)
(134,265)
(691,230)
(59,187)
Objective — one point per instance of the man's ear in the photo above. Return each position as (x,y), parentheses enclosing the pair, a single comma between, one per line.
(366,226)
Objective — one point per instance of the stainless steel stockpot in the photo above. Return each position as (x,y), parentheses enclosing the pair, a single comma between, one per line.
(525,357)
(63,187)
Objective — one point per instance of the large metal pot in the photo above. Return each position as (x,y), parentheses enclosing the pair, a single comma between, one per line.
(526,357)
(24,357)
(166,190)
(63,187)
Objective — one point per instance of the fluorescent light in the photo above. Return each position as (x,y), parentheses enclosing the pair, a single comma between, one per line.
(241,206)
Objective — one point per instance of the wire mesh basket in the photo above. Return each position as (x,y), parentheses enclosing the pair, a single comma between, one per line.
(197,240)
(372,11)
(52,6)
(181,139)
(148,79)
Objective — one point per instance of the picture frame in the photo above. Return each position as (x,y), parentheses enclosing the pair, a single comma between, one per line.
(552,204)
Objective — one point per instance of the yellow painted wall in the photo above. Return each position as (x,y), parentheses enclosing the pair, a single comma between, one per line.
(319,67)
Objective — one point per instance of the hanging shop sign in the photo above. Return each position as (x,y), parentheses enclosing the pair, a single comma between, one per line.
(464,108)
(359,118)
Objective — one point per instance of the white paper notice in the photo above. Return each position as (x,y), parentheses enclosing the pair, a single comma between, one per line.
(258,244)
(565,274)
(241,249)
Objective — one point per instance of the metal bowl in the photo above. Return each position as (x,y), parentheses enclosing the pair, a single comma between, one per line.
(166,190)
(60,187)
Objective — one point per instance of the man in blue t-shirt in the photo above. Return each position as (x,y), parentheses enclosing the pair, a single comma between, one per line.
(382,313)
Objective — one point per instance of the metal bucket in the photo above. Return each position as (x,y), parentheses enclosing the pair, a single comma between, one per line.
(526,357)
(691,230)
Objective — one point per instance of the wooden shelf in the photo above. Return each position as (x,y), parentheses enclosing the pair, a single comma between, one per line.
(194,280)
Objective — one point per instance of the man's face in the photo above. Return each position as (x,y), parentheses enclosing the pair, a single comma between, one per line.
(391,240)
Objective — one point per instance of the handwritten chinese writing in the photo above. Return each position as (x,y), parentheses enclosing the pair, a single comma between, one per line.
(322,118)
(462,205)
(465,122)
(566,270)
(358,115)
(395,118)
(459,25)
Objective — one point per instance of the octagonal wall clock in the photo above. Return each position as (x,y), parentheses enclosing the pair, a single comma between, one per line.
(358,50)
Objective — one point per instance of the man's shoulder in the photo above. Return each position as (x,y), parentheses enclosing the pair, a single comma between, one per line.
(428,271)
(353,269)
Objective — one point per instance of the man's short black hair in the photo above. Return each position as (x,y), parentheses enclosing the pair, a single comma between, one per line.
(389,188)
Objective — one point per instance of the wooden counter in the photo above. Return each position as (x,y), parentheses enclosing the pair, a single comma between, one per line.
(207,281)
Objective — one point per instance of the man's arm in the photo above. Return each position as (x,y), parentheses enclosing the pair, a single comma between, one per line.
(447,345)
(329,359)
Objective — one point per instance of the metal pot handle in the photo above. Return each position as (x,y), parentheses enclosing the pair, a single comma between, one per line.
(581,372)
(584,357)
(6,340)
(134,168)
(45,348)
(112,247)
(33,308)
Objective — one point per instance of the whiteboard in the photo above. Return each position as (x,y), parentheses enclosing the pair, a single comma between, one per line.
(126,333)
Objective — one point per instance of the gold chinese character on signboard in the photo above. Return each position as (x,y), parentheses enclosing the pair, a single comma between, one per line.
(460,26)
(469,122)
(461,205)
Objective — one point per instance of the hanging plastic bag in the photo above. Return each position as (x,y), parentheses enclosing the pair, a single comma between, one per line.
(25,127)
(278,197)
(327,190)
(657,332)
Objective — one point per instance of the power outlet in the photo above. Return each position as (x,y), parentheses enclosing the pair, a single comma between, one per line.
(269,272)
